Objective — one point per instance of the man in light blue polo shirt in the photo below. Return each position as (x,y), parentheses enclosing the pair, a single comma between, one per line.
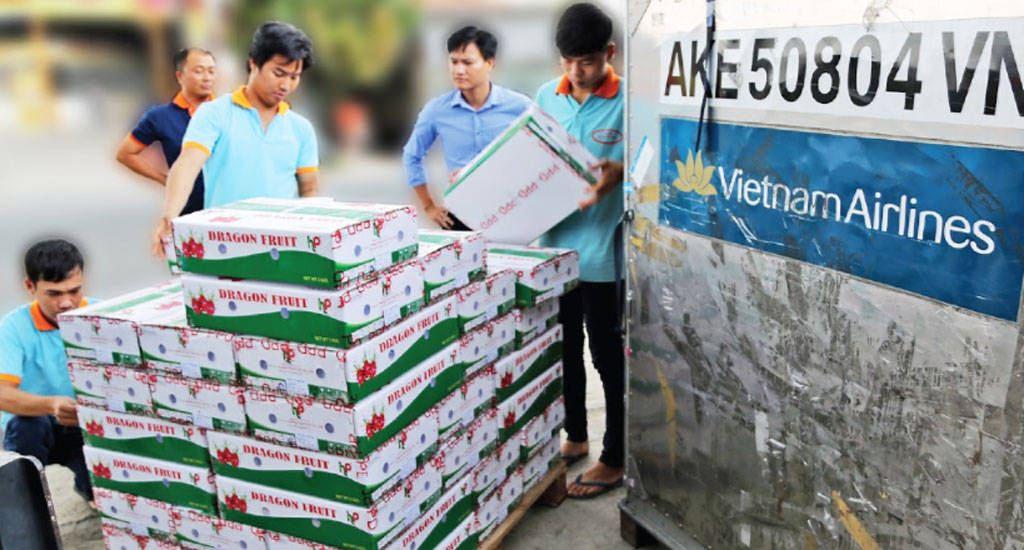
(249,143)
(588,101)
(465,119)
(40,417)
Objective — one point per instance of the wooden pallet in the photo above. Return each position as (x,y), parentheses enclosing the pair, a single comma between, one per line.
(551,491)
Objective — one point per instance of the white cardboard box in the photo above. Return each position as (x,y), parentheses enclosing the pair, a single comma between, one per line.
(204,403)
(450,259)
(111,387)
(542,273)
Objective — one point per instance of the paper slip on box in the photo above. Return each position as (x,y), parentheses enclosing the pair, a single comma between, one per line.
(542,273)
(495,508)
(542,462)
(116,537)
(526,404)
(106,331)
(524,182)
(464,537)
(169,482)
(198,531)
(473,398)
(338,317)
(323,475)
(426,531)
(110,387)
(140,516)
(483,345)
(542,428)
(348,375)
(462,452)
(143,436)
(311,518)
(484,300)
(531,321)
(450,259)
(486,476)
(517,370)
(321,243)
(355,430)
(203,403)
(168,344)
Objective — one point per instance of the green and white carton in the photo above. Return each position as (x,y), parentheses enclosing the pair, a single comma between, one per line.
(464,537)
(488,299)
(107,331)
(487,475)
(323,244)
(141,516)
(483,345)
(324,475)
(310,518)
(463,451)
(111,387)
(532,176)
(143,436)
(385,356)
(116,537)
(280,541)
(543,273)
(294,367)
(169,482)
(354,430)
(450,259)
(526,404)
(515,371)
(475,396)
(447,514)
(495,508)
(546,457)
(169,344)
(203,403)
(531,321)
(542,428)
(336,317)
(197,531)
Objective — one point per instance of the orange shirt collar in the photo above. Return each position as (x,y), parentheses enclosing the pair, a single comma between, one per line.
(41,322)
(180,101)
(238,96)
(608,89)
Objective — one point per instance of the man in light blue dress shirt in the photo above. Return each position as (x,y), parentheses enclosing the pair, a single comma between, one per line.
(465,119)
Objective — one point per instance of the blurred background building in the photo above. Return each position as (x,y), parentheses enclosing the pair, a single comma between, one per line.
(75,76)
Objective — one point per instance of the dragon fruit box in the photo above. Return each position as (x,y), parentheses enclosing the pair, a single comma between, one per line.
(528,403)
(143,436)
(112,387)
(513,372)
(334,317)
(168,344)
(542,273)
(321,243)
(450,260)
(169,482)
(488,299)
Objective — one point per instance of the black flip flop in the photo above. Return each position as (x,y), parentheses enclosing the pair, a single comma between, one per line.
(571,459)
(605,487)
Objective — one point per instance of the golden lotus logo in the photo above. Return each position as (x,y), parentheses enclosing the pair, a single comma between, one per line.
(694,176)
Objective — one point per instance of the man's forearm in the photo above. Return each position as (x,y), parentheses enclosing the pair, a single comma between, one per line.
(19,403)
(137,164)
(181,179)
(309,184)
(423,192)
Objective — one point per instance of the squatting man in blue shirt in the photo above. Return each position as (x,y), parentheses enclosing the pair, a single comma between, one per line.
(465,119)
(40,416)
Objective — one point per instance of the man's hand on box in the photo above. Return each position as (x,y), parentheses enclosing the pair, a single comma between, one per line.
(611,177)
(439,215)
(66,411)
(162,230)
(454,176)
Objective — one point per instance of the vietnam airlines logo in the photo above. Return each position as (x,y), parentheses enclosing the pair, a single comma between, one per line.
(694,177)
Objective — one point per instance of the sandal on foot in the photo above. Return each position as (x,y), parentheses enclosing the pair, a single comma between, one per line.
(603,485)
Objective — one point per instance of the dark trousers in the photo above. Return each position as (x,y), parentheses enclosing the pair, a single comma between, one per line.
(596,306)
(51,443)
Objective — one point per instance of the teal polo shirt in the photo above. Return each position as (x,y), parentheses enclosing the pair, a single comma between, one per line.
(32,354)
(244,162)
(597,123)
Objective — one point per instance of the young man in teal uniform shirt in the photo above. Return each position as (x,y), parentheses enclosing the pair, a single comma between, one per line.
(588,101)
(40,417)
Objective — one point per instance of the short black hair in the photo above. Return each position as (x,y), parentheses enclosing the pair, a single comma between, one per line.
(583,29)
(182,56)
(278,38)
(470,34)
(52,261)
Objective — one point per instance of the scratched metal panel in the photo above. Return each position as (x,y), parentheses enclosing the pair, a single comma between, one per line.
(775,404)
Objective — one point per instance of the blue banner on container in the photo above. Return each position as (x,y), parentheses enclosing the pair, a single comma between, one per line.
(942,221)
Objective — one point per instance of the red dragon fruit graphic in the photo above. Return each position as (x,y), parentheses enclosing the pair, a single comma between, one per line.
(510,419)
(202,305)
(102,471)
(227,456)
(94,428)
(375,424)
(458,249)
(368,370)
(235,502)
(192,248)
(378,224)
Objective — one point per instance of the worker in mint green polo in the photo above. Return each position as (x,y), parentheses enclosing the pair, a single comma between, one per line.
(588,101)
(249,143)
(40,417)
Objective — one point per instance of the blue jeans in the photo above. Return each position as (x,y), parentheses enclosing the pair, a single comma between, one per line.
(51,443)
